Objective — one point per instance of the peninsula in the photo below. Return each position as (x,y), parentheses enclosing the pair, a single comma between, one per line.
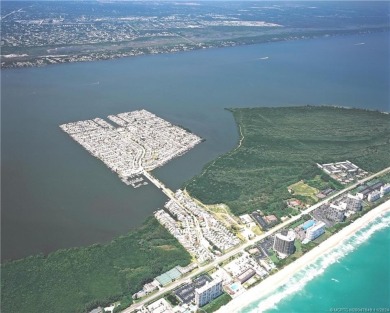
(298,152)
(297,176)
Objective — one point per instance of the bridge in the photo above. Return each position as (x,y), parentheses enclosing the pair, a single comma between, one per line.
(242,247)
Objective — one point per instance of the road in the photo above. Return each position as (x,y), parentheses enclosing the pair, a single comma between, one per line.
(169,193)
(247,244)
(13,12)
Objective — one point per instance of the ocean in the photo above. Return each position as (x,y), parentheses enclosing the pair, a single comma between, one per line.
(355,275)
(55,195)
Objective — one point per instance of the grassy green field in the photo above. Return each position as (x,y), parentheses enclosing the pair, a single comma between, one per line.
(281,146)
(76,280)
(215,304)
(302,189)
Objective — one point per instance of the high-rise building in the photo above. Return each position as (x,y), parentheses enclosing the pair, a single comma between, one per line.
(336,212)
(208,292)
(354,203)
(284,242)
(385,189)
(315,231)
(373,196)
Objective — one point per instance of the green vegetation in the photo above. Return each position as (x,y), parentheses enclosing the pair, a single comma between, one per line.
(337,227)
(302,189)
(297,223)
(274,258)
(280,146)
(385,178)
(324,181)
(216,303)
(256,230)
(79,279)
(306,217)
(310,245)
(300,249)
(172,299)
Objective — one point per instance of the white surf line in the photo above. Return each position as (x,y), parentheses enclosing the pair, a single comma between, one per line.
(299,280)
(269,285)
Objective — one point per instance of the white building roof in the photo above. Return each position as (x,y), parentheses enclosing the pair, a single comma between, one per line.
(289,237)
(316,226)
(209,285)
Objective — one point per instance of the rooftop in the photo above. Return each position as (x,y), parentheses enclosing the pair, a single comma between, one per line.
(286,235)
(208,285)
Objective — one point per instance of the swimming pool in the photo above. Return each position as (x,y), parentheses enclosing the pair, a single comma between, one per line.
(235,287)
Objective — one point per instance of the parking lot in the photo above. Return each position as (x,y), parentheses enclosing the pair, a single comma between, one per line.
(186,293)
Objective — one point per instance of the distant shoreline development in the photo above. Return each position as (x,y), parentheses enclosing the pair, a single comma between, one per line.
(228,260)
(195,156)
(47,33)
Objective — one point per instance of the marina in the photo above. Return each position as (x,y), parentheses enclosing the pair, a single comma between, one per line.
(69,199)
(40,99)
(135,182)
(141,143)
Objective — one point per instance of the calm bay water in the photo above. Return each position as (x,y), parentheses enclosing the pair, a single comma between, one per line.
(55,195)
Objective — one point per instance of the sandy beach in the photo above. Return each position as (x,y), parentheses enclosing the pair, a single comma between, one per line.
(281,277)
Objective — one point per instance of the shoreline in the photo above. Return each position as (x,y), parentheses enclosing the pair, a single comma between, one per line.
(47,60)
(271,283)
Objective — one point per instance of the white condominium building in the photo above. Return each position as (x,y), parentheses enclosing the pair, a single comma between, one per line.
(208,292)
(315,231)
(336,212)
(354,203)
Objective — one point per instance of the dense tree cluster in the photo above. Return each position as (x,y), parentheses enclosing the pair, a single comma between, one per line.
(79,279)
(281,146)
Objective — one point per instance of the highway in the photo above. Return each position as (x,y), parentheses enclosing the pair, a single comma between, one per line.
(245,245)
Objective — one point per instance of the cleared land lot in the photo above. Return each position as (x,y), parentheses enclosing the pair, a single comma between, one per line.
(280,146)
(302,189)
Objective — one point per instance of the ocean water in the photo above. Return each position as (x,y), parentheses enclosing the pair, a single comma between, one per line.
(354,275)
(55,195)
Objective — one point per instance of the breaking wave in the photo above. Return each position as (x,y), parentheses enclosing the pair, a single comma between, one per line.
(298,281)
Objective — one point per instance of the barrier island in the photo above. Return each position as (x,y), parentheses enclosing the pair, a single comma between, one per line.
(280,152)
